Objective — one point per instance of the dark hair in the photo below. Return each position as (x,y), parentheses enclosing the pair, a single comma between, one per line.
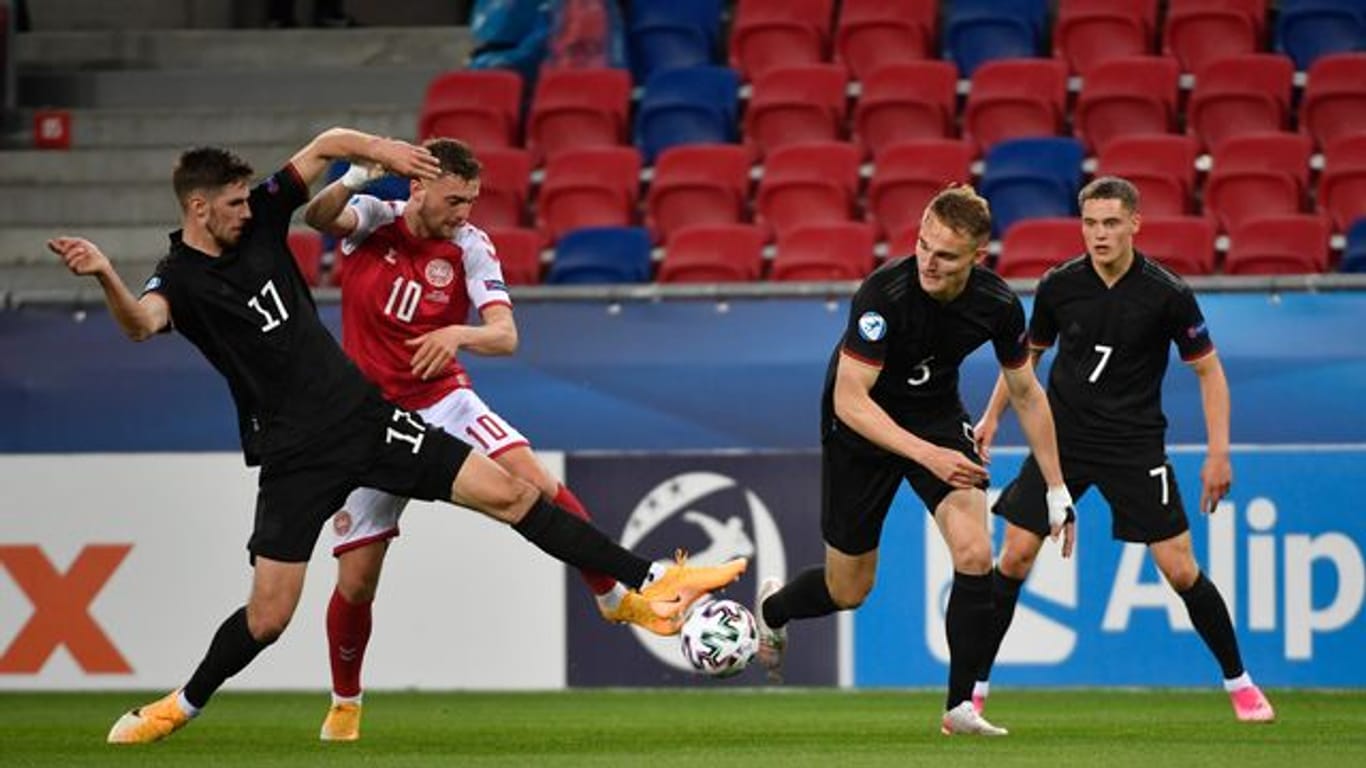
(207,169)
(1110,188)
(961,209)
(456,157)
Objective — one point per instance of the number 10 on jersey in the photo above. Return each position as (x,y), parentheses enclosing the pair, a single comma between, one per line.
(403,299)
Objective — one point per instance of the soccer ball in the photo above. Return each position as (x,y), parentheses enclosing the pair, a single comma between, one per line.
(719,637)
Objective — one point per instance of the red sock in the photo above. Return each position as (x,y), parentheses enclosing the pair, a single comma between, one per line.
(600,583)
(348,632)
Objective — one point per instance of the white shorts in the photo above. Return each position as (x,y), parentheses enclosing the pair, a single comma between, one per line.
(372,515)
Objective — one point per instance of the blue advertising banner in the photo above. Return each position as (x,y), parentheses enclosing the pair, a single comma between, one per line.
(1284,549)
(762,506)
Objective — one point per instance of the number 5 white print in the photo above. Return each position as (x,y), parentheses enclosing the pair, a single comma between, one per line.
(1104,358)
(1161,474)
(272,322)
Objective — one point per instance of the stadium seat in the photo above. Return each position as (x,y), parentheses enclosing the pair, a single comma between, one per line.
(1354,255)
(1342,185)
(480,107)
(505,184)
(714,253)
(1162,166)
(1013,99)
(1334,102)
(1278,245)
(307,247)
(1309,29)
(601,255)
(1197,32)
(977,31)
(1240,94)
(830,251)
(1127,96)
(519,254)
(796,104)
(668,34)
(904,243)
(698,184)
(1183,244)
(1031,178)
(578,108)
(1033,247)
(1089,32)
(592,187)
(873,33)
(1259,174)
(808,183)
(696,105)
(909,100)
(775,33)
(905,177)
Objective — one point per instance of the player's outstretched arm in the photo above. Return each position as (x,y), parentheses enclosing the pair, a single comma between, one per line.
(984,433)
(398,157)
(1216,477)
(139,318)
(496,336)
(1036,420)
(328,211)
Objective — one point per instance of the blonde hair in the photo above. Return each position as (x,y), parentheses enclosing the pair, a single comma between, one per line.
(961,209)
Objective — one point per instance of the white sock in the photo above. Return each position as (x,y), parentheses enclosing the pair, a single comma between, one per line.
(611,600)
(339,699)
(981,689)
(189,709)
(1238,683)
(656,573)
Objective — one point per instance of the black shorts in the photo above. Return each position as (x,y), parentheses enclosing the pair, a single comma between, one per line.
(859,481)
(1145,504)
(379,446)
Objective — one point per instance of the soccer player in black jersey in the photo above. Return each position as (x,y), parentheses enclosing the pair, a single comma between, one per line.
(891,411)
(1115,314)
(307,416)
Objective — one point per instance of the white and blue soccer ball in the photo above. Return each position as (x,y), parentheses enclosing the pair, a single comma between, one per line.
(719,637)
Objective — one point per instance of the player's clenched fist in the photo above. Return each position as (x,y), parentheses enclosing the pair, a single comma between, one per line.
(79,255)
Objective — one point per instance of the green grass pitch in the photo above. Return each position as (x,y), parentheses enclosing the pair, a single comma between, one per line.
(649,729)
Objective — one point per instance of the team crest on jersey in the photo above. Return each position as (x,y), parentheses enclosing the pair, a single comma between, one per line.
(872,326)
(440,273)
(341,523)
(153,283)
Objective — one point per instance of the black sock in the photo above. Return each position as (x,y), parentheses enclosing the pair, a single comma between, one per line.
(1209,614)
(1005,593)
(805,597)
(569,539)
(231,650)
(968,624)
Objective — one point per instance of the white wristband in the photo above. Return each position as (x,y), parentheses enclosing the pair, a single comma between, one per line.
(356,176)
(1060,506)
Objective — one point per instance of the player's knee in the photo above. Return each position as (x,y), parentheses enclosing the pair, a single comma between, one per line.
(1182,576)
(1016,562)
(267,624)
(357,588)
(849,594)
(972,557)
(511,499)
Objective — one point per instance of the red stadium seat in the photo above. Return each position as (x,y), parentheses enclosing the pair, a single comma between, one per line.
(1279,245)
(698,184)
(479,107)
(775,33)
(1128,96)
(904,243)
(1240,94)
(307,247)
(1334,103)
(1015,98)
(797,104)
(831,251)
(505,184)
(578,108)
(1199,31)
(1089,32)
(1034,246)
(1342,186)
(592,187)
(808,183)
(1183,244)
(874,33)
(519,254)
(1162,166)
(908,174)
(910,100)
(1258,175)
(714,253)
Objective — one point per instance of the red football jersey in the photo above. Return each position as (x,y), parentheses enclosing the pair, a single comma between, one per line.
(397,286)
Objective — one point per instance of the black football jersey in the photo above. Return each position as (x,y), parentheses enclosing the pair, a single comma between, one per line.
(251,314)
(1105,386)
(919,343)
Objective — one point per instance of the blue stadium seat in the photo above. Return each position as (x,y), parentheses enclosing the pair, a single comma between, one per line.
(602,255)
(1354,255)
(695,105)
(980,30)
(668,34)
(1308,29)
(1031,178)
